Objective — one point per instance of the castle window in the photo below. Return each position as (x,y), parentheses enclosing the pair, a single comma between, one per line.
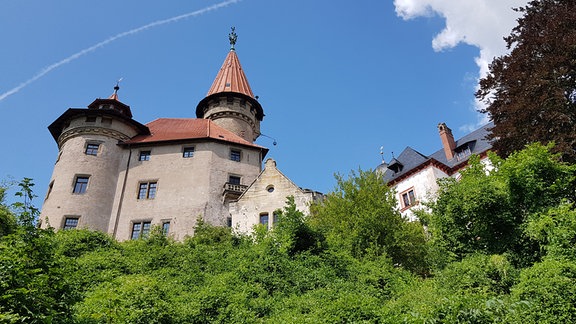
(140,230)
(91,119)
(144,156)
(275,218)
(463,152)
(235,155)
(106,121)
(80,185)
(147,190)
(264,219)
(234,180)
(70,223)
(229,221)
(188,152)
(408,198)
(165,227)
(92,149)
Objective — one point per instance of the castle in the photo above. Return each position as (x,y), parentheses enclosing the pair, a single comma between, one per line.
(118,176)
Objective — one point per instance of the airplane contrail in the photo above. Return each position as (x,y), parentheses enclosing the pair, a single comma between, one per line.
(92,48)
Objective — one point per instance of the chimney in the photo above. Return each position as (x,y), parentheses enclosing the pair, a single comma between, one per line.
(447,140)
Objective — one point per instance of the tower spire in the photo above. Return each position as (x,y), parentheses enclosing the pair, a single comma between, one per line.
(230,102)
(114,96)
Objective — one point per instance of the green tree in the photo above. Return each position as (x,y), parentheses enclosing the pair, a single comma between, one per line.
(531,92)
(292,234)
(7,219)
(471,215)
(549,288)
(361,217)
(489,208)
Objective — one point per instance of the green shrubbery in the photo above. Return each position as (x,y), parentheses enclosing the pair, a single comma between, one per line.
(499,248)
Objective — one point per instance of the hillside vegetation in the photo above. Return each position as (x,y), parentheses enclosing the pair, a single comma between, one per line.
(498,246)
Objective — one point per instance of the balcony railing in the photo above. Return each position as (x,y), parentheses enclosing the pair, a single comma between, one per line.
(232,190)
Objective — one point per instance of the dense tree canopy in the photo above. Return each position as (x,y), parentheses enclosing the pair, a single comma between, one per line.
(500,242)
(531,92)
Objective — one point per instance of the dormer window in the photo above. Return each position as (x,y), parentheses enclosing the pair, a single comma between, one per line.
(395,166)
(464,151)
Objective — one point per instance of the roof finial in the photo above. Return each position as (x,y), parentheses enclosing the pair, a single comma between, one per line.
(232,37)
(116,88)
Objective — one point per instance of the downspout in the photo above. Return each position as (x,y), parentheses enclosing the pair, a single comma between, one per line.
(122,194)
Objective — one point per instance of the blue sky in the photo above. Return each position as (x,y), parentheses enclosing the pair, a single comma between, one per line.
(337,79)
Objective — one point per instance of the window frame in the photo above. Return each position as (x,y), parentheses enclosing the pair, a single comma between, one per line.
(264,216)
(166,227)
(90,150)
(408,198)
(235,155)
(144,227)
(144,155)
(234,179)
(80,187)
(66,226)
(147,190)
(188,152)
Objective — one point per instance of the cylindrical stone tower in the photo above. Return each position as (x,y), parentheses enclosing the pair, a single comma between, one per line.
(230,102)
(83,184)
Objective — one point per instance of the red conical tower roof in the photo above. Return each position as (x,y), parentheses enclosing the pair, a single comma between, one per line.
(232,82)
(231,77)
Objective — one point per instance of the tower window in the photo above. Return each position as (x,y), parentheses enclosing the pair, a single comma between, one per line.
(91,119)
(147,190)
(188,152)
(235,155)
(144,156)
(92,149)
(140,230)
(80,185)
(70,223)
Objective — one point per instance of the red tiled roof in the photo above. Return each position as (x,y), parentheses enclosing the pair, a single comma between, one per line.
(175,129)
(231,77)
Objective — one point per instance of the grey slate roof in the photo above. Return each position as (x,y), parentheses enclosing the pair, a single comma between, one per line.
(411,159)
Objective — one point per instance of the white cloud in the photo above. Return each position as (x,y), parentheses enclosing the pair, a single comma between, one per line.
(480,23)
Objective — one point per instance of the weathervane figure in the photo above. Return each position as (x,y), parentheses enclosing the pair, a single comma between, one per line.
(233,37)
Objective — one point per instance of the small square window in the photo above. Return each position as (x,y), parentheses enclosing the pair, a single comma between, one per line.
(234,180)
(92,149)
(70,223)
(80,185)
(91,119)
(144,156)
(140,230)
(188,152)
(147,190)
(235,155)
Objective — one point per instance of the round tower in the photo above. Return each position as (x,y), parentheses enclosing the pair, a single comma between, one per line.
(84,181)
(230,102)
